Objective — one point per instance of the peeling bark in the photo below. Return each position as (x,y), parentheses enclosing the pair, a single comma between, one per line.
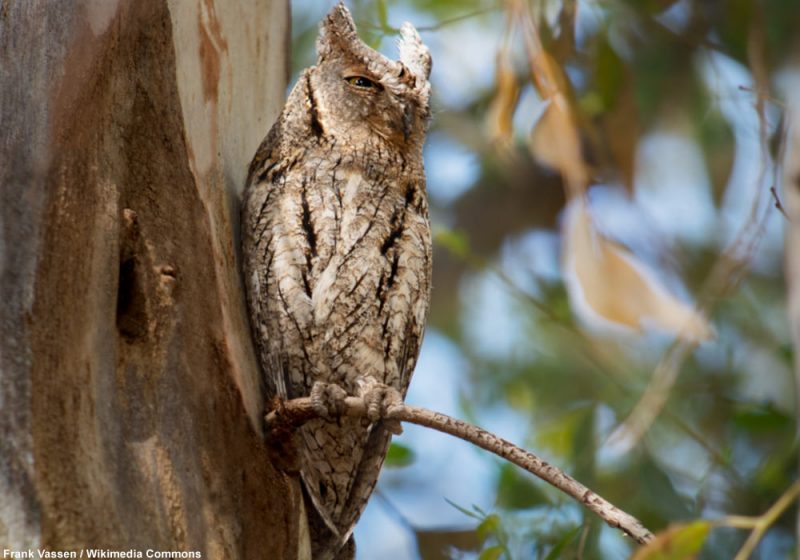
(129,390)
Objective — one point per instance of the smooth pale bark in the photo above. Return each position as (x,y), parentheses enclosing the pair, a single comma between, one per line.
(129,398)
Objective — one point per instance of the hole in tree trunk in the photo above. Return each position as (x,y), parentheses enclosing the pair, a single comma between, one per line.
(131,305)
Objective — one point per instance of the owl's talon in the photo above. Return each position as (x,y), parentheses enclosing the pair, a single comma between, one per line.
(328,400)
(393,426)
(378,399)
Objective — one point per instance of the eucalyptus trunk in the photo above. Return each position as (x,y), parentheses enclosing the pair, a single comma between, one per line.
(130,402)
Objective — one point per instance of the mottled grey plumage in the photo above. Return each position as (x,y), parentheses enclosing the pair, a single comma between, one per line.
(337,253)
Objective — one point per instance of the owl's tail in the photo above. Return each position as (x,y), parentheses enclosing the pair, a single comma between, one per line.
(325,543)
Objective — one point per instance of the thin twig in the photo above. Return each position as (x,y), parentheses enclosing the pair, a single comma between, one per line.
(298,411)
(456,19)
(778,203)
(652,402)
(390,30)
(762,523)
(582,542)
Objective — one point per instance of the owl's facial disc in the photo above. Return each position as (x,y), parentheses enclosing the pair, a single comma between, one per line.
(363,95)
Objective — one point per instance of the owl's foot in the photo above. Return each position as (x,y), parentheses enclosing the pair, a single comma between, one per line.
(328,400)
(379,398)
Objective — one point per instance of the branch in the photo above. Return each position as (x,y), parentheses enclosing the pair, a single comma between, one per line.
(778,203)
(298,411)
(761,524)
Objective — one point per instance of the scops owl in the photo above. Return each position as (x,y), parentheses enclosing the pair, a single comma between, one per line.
(337,258)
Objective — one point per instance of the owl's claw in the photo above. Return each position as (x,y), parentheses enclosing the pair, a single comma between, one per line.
(328,399)
(379,398)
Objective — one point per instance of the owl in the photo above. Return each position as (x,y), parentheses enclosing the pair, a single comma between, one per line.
(337,259)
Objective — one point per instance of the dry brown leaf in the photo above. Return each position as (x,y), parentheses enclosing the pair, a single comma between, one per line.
(548,77)
(555,139)
(608,286)
(555,143)
(499,118)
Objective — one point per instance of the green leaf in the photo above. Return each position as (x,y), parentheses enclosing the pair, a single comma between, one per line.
(776,471)
(734,27)
(488,527)
(464,510)
(399,456)
(492,553)
(608,73)
(454,241)
(678,542)
(762,419)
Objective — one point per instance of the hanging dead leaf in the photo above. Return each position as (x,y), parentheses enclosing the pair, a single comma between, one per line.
(555,139)
(555,143)
(548,76)
(608,286)
(499,118)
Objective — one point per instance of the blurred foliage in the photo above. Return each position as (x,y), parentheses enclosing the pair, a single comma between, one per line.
(676,543)
(399,456)
(725,442)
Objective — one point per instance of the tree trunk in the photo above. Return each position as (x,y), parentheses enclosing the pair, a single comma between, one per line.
(129,391)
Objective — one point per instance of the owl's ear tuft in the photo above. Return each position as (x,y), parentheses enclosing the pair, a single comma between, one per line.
(413,52)
(336,31)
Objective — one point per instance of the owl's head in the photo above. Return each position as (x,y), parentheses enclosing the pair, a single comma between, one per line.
(360,94)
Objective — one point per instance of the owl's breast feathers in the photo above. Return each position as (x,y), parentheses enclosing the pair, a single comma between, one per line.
(342,262)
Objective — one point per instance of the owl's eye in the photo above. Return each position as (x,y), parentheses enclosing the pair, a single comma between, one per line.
(362,83)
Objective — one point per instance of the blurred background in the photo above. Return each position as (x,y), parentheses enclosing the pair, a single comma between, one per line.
(658,374)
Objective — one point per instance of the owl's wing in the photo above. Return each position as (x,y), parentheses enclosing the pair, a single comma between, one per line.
(257,255)
(366,476)
(409,355)
(279,150)
(420,240)
(266,177)
(271,173)
(276,279)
